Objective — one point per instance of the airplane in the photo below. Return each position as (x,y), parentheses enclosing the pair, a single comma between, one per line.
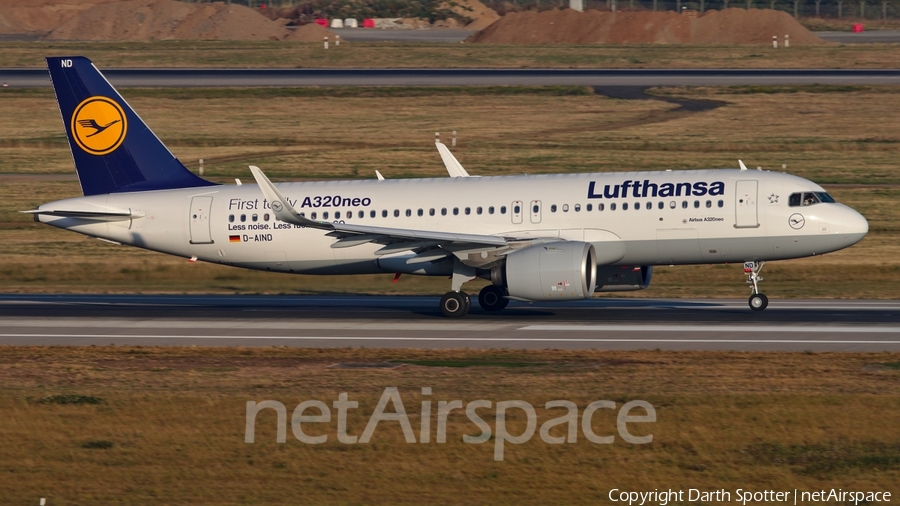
(556,237)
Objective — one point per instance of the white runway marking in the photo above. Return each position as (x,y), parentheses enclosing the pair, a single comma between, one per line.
(714,328)
(459,339)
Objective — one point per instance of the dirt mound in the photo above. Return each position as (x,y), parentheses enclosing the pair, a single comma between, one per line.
(731,26)
(39,16)
(481,15)
(310,33)
(167,19)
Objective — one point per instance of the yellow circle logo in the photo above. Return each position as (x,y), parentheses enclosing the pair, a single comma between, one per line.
(99,125)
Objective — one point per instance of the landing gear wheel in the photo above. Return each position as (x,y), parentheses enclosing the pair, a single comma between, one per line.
(492,298)
(758,301)
(455,304)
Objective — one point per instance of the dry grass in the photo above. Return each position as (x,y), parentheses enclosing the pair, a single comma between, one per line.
(835,136)
(386,54)
(169,427)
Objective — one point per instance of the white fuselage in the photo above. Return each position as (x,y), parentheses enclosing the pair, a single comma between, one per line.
(711,216)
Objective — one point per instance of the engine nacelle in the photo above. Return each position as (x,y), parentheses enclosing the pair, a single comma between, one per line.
(553,271)
(623,279)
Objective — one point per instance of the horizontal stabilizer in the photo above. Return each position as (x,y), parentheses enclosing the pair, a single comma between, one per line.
(87,215)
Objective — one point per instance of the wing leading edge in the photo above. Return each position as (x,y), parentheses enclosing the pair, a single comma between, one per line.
(395,240)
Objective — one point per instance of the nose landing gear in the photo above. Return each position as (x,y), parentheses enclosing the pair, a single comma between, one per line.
(758,301)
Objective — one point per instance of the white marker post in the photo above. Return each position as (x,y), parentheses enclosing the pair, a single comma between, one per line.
(326,42)
(201,166)
(337,40)
(453,141)
(787,41)
(437,137)
(774,42)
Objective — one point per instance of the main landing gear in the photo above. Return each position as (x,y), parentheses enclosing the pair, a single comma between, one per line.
(492,298)
(456,303)
(758,301)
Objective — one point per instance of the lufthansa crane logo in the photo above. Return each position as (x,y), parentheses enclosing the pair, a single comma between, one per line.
(99,125)
(796,221)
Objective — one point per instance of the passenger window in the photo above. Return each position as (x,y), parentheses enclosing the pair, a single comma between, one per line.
(478,210)
(431,212)
(721,203)
(313,216)
(565,208)
(396,213)
(601,206)
(661,204)
(254,217)
(408,213)
(577,207)
(552,208)
(517,209)
(420,212)
(266,217)
(443,211)
(709,203)
(362,214)
(535,209)
(649,205)
(243,218)
(589,207)
(455,211)
(612,207)
(491,210)
(672,204)
(502,209)
(325,215)
(684,204)
(637,206)
(794,199)
(624,206)
(230,218)
(384,213)
(468,211)
(337,215)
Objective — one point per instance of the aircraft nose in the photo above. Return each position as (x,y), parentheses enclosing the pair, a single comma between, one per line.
(853,225)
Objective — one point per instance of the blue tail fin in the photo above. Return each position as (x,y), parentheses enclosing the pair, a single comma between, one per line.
(114,150)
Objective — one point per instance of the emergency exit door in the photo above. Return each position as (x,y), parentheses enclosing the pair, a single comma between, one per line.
(200,233)
(516,211)
(745,212)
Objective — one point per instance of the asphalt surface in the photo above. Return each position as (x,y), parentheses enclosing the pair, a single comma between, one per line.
(871,37)
(376,35)
(415,322)
(192,77)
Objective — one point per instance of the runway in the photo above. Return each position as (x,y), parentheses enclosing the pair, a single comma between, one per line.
(415,322)
(193,77)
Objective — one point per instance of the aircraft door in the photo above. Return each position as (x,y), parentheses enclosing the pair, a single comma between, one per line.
(745,213)
(535,211)
(200,233)
(516,211)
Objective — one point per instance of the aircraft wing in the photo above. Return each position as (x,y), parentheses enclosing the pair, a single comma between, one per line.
(394,239)
(454,168)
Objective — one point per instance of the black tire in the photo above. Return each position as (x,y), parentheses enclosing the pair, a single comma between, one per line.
(492,298)
(455,304)
(758,301)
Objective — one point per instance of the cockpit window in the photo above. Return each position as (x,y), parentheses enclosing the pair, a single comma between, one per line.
(809,198)
(824,197)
